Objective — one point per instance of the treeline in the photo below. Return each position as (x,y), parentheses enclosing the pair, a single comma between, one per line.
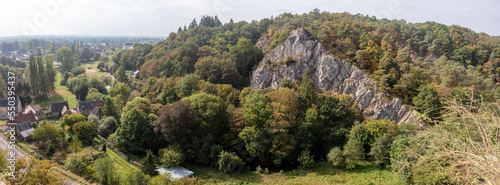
(6,61)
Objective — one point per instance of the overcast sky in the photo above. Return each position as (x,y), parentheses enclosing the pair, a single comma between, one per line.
(160,17)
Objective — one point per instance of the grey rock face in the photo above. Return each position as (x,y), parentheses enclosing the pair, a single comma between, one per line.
(329,73)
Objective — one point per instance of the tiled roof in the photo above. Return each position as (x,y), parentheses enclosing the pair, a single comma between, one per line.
(24,117)
(58,107)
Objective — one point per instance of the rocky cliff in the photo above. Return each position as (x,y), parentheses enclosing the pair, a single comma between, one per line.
(329,74)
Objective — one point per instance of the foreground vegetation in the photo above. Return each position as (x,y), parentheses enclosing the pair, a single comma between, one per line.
(322,173)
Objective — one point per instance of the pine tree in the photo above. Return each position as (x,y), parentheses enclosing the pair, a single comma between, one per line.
(148,166)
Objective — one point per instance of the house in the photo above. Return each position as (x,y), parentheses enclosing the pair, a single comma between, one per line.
(4,107)
(90,107)
(23,129)
(176,172)
(136,74)
(34,108)
(128,45)
(59,109)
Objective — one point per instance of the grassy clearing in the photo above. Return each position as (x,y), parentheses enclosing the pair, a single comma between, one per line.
(61,94)
(323,173)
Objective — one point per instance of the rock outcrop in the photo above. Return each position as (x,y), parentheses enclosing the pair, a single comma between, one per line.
(329,73)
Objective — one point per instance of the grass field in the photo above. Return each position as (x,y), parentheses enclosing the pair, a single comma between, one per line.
(93,71)
(323,173)
(3,122)
(61,94)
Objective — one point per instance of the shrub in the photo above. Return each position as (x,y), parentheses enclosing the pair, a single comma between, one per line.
(80,164)
(230,162)
(171,157)
(380,150)
(462,149)
(78,70)
(306,159)
(335,157)
(50,150)
(288,61)
(259,170)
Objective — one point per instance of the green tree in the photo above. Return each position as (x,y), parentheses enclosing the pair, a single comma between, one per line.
(136,129)
(189,85)
(94,94)
(380,150)
(212,110)
(51,73)
(257,109)
(85,131)
(51,150)
(49,133)
(75,145)
(427,102)
(65,57)
(110,109)
(105,171)
(148,164)
(135,177)
(171,157)
(107,127)
(354,150)
(246,55)
(70,119)
(121,76)
(86,54)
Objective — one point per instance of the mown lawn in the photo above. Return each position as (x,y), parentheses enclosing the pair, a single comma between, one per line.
(323,173)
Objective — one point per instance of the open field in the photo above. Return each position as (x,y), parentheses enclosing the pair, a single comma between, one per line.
(323,173)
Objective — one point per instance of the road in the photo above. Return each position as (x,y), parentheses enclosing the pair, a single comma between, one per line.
(4,144)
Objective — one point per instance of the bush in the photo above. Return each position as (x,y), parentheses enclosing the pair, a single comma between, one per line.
(259,170)
(289,60)
(306,159)
(230,162)
(380,150)
(335,157)
(78,70)
(80,164)
(171,158)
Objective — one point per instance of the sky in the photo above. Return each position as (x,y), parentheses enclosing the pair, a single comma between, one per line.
(160,17)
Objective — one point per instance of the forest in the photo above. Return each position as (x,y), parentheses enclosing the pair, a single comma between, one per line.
(191,102)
